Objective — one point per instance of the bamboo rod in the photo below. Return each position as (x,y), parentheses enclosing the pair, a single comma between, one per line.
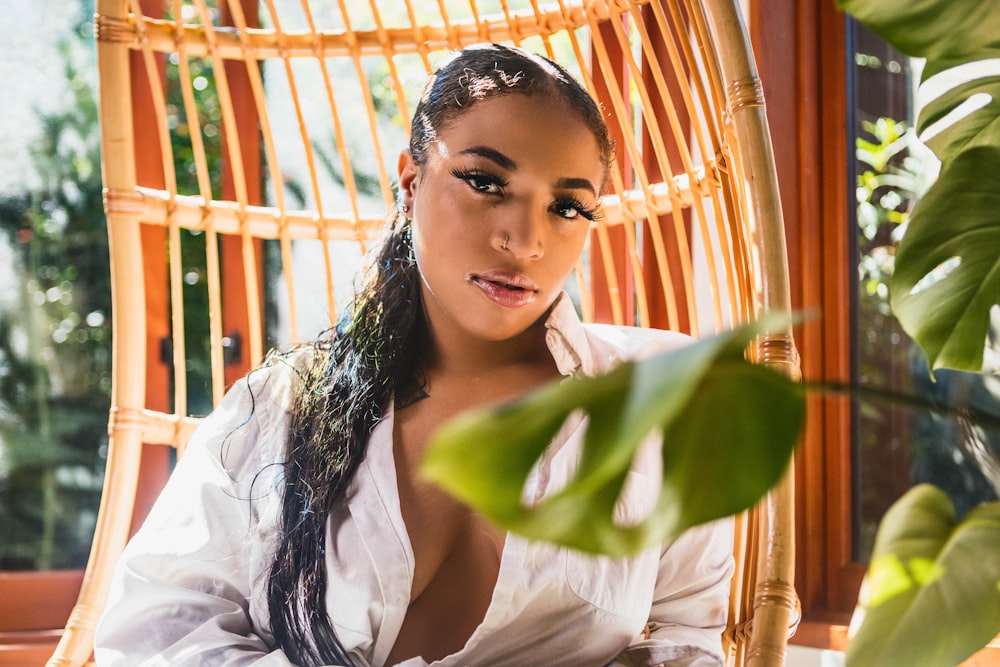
(263,44)
(621,113)
(265,222)
(235,156)
(128,314)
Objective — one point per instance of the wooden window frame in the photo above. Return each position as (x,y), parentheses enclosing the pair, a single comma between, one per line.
(801,51)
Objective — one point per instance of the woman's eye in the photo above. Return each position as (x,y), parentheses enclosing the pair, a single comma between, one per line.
(481,182)
(567,211)
(484,184)
(571,210)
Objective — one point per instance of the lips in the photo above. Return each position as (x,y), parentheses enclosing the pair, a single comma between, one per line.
(505,288)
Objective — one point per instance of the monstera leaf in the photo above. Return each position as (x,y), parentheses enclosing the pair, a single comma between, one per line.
(930,28)
(728,429)
(947,276)
(947,273)
(960,104)
(931,597)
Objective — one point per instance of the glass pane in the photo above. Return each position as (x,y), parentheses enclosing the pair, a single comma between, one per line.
(894,446)
(55,327)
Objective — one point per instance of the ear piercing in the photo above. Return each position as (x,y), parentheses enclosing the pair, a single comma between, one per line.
(404,207)
(506,238)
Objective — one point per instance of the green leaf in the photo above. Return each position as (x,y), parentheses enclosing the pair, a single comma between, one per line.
(930,28)
(29,449)
(953,119)
(729,428)
(956,227)
(931,597)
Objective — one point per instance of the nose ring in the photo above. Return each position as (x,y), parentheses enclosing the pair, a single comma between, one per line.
(506,238)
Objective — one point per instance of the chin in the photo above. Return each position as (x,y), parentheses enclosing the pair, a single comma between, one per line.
(500,331)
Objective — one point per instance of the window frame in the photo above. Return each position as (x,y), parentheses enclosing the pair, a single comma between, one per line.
(807,104)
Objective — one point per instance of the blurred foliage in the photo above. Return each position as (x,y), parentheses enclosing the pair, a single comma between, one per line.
(614,502)
(929,569)
(892,177)
(55,335)
(205,121)
(55,330)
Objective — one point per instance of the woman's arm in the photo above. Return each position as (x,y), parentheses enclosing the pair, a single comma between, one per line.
(690,602)
(181,590)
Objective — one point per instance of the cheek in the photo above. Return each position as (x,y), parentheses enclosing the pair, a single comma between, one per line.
(571,247)
(450,223)
(436,242)
(424,248)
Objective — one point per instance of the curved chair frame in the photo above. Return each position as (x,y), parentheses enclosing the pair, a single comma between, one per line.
(625,56)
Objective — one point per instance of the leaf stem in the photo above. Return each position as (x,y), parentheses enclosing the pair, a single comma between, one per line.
(882,395)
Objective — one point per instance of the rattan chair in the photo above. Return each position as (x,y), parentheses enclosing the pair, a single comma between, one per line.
(269,134)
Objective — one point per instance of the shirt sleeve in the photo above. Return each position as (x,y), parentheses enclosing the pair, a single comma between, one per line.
(180,594)
(690,602)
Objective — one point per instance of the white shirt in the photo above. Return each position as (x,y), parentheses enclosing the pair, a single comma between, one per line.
(190,588)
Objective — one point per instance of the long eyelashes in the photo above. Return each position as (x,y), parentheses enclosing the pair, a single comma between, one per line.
(491,184)
(480,180)
(591,213)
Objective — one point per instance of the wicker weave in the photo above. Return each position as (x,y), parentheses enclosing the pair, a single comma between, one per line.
(691,239)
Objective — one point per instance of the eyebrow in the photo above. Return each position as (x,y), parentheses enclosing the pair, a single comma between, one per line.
(505,162)
(491,154)
(576,184)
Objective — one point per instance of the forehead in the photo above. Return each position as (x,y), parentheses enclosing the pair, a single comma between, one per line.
(527,129)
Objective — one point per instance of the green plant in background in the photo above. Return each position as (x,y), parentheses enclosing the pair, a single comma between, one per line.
(55,334)
(893,176)
(55,342)
(933,595)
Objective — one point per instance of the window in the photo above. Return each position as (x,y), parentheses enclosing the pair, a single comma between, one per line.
(55,357)
(828,84)
(55,328)
(894,446)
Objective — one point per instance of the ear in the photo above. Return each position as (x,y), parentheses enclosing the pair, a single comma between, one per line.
(407,178)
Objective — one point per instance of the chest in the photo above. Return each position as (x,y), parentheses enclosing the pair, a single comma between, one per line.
(442,531)
(429,601)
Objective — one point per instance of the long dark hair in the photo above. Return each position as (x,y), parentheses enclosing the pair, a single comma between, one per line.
(372,356)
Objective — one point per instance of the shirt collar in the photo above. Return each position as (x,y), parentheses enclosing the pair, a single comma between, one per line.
(567,339)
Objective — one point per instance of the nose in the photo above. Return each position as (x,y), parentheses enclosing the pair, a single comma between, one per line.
(523,233)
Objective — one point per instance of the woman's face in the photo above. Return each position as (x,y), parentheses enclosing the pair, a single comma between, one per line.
(501,210)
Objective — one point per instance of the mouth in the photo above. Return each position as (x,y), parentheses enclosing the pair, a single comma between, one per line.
(510,290)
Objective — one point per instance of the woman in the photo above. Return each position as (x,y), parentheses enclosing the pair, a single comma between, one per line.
(296,530)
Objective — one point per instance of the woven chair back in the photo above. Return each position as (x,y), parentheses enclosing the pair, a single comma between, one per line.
(249,162)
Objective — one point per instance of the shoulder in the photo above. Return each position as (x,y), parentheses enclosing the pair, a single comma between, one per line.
(269,389)
(281,374)
(610,344)
(248,427)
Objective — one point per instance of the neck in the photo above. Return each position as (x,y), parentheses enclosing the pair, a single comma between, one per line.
(444,354)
